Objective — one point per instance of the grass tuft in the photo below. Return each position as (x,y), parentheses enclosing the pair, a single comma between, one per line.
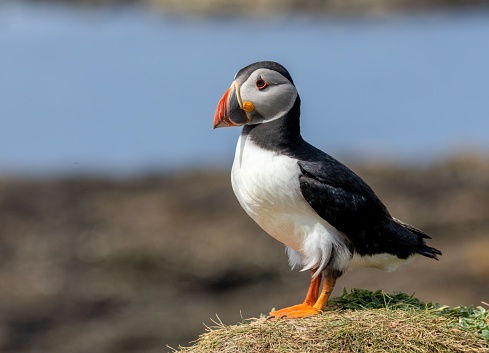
(358,321)
(358,299)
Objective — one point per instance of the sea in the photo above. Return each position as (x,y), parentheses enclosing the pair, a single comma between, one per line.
(125,90)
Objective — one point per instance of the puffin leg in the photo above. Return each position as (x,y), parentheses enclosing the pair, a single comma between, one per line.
(306,306)
(328,286)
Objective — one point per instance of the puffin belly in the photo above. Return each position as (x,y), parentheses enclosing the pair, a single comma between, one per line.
(267,186)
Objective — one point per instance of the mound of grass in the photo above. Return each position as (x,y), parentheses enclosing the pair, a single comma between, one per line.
(358,321)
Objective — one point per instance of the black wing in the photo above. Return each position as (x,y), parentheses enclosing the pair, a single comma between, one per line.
(341,197)
(346,202)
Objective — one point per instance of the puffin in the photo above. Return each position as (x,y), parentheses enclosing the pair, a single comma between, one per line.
(329,219)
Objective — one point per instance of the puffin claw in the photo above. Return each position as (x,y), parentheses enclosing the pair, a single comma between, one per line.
(273,317)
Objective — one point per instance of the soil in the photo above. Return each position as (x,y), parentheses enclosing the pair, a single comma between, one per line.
(98,264)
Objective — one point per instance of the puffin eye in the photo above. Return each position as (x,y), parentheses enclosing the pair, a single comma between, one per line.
(261,83)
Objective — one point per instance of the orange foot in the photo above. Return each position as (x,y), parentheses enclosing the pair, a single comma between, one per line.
(293,312)
(313,304)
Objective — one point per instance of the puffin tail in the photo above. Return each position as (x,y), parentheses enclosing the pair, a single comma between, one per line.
(428,251)
(422,248)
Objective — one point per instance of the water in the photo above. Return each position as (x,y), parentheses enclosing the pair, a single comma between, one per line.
(123,90)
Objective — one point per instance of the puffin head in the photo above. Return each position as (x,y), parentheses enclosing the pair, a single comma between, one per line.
(261,92)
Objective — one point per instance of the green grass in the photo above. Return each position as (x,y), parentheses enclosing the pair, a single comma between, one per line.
(468,318)
(358,321)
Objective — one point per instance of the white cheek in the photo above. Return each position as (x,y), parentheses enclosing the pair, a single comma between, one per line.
(271,104)
(277,103)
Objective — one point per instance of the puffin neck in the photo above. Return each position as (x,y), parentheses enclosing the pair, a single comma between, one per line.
(277,135)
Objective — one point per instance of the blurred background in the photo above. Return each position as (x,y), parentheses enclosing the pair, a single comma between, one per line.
(119,231)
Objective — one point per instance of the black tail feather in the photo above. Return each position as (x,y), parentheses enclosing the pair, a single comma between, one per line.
(415,230)
(422,249)
(428,251)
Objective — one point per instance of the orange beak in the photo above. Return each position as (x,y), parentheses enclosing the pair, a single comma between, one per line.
(229,111)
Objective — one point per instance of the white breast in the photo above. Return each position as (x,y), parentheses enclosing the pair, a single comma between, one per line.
(267,187)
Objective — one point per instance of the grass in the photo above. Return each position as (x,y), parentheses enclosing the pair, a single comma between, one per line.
(358,321)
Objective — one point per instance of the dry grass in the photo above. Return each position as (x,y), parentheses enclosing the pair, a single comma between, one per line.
(403,324)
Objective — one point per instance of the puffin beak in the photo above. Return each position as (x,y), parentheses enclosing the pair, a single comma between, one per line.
(229,111)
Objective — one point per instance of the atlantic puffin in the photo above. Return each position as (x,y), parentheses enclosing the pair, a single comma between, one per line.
(329,219)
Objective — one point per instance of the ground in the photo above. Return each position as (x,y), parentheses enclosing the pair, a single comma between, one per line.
(124,265)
